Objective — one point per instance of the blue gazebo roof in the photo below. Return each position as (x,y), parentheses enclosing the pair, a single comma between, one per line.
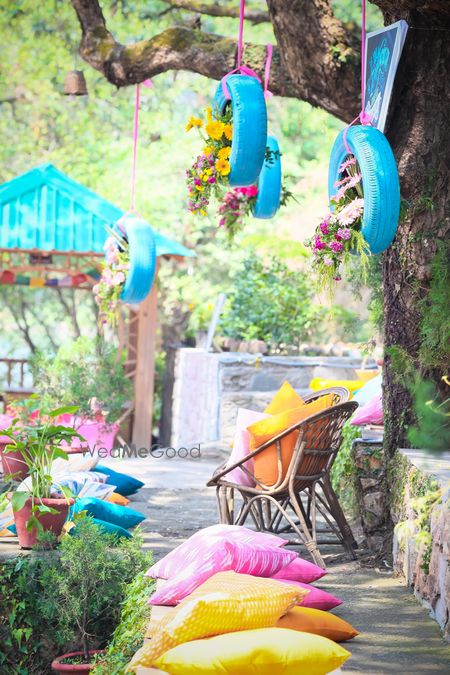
(45,210)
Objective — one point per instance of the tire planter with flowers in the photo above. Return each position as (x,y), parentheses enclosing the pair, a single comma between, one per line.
(380,182)
(248,145)
(142,265)
(269,183)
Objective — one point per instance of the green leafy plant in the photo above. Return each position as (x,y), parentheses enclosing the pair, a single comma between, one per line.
(86,373)
(39,444)
(343,473)
(90,581)
(271,303)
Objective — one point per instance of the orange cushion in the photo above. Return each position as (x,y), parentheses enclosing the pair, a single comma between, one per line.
(309,620)
(265,463)
(115,498)
(285,399)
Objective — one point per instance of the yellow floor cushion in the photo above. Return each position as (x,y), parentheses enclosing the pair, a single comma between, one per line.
(352,385)
(285,398)
(265,463)
(226,602)
(265,651)
(317,621)
(366,375)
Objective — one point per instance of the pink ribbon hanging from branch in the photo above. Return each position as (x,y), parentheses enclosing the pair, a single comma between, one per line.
(148,84)
(243,70)
(363,117)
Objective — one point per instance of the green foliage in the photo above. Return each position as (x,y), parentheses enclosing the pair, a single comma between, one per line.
(89,581)
(41,597)
(435,322)
(433,416)
(272,303)
(128,636)
(343,474)
(419,527)
(80,372)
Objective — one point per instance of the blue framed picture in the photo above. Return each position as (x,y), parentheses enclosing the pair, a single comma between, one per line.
(383,51)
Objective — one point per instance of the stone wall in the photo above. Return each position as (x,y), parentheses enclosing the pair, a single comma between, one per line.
(420,510)
(203,391)
(371,493)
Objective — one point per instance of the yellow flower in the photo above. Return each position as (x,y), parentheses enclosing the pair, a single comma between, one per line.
(194,122)
(191,306)
(228,131)
(224,153)
(208,112)
(209,150)
(202,212)
(200,188)
(215,130)
(208,172)
(223,167)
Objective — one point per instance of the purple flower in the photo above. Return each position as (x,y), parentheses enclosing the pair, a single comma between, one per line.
(318,243)
(337,278)
(212,179)
(324,228)
(343,233)
(327,261)
(336,246)
(197,181)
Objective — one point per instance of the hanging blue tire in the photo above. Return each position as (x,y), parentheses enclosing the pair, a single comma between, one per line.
(142,249)
(269,184)
(248,146)
(380,182)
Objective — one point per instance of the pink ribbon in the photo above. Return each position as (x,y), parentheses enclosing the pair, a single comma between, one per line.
(267,93)
(148,84)
(363,117)
(243,70)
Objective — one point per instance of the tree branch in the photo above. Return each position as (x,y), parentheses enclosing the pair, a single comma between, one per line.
(252,15)
(317,59)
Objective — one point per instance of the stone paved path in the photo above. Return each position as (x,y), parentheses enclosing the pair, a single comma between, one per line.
(397,635)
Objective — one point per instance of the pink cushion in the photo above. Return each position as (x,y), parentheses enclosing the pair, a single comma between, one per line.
(316,598)
(5,422)
(370,413)
(97,434)
(300,570)
(241,443)
(221,556)
(196,547)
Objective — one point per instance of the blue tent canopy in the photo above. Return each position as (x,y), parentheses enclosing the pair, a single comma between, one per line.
(45,210)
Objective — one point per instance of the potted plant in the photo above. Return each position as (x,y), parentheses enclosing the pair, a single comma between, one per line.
(89,583)
(89,374)
(38,506)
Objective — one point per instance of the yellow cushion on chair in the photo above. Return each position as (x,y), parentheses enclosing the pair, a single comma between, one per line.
(266,651)
(265,463)
(285,399)
(226,602)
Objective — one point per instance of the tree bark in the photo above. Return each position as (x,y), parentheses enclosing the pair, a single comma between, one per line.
(215,9)
(317,60)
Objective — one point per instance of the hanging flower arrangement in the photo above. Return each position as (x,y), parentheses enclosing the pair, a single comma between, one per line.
(109,288)
(236,207)
(339,234)
(208,176)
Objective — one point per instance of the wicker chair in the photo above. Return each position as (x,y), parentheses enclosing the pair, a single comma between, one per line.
(294,497)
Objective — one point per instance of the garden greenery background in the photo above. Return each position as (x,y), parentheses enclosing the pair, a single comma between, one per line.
(90,139)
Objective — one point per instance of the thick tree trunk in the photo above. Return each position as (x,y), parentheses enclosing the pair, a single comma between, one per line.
(419,135)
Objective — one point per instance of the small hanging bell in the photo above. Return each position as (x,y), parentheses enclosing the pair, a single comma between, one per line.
(75,84)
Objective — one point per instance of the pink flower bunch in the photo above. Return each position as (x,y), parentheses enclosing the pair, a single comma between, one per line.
(110,285)
(236,207)
(200,179)
(339,231)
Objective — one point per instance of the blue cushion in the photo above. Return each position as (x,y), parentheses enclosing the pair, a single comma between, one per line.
(125,485)
(116,514)
(108,528)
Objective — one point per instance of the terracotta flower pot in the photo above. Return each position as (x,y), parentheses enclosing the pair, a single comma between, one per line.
(53,522)
(72,668)
(12,462)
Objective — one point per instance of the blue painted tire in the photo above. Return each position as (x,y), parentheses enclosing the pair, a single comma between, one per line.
(380,182)
(248,146)
(269,185)
(142,270)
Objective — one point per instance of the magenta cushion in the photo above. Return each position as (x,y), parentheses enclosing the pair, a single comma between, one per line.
(196,547)
(223,555)
(370,413)
(241,444)
(316,598)
(300,570)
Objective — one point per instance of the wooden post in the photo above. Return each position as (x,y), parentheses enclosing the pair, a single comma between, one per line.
(145,370)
